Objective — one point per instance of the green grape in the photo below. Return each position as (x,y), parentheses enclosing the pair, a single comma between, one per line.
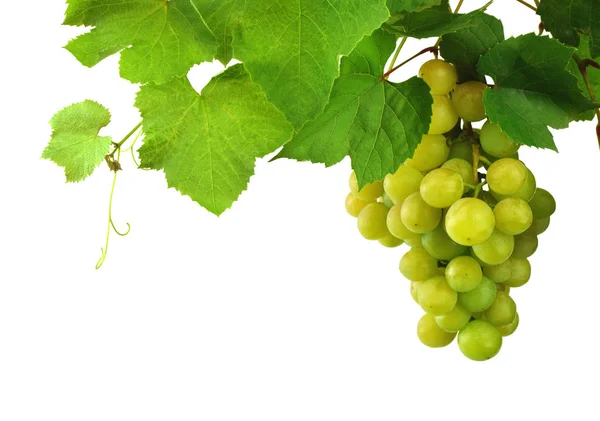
(520,272)
(372,221)
(513,216)
(506,176)
(479,340)
(431,334)
(439,245)
(525,193)
(443,116)
(430,153)
(502,311)
(542,204)
(502,287)
(538,226)
(369,192)
(454,320)
(462,149)
(414,290)
(386,200)
(463,274)
(354,205)
(478,315)
(496,249)
(418,216)
(498,273)
(525,246)
(463,168)
(417,265)
(398,229)
(467,100)
(495,142)
(404,182)
(435,296)
(510,328)
(470,221)
(390,241)
(439,75)
(441,188)
(479,298)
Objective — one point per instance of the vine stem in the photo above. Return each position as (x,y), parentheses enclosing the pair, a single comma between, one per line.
(524,3)
(397,53)
(437,43)
(127,136)
(583,65)
(420,53)
(537,3)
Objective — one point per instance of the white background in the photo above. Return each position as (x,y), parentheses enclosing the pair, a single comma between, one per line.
(278,310)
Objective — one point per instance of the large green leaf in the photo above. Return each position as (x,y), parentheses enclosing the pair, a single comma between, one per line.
(534,88)
(291,48)
(378,123)
(396,6)
(207,143)
(75,143)
(565,18)
(158,39)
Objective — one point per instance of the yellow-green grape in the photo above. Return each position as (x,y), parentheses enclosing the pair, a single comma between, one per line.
(435,296)
(454,320)
(496,249)
(479,298)
(542,204)
(474,256)
(479,341)
(498,273)
(510,328)
(525,246)
(463,168)
(386,200)
(495,142)
(470,221)
(442,187)
(431,153)
(502,311)
(369,192)
(538,226)
(439,245)
(417,265)
(506,176)
(467,100)
(372,221)
(462,149)
(398,229)
(478,315)
(439,75)
(443,116)
(431,334)
(414,291)
(513,216)
(463,274)
(354,205)
(390,241)
(418,216)
(525,193)
(404,182)
(520,272)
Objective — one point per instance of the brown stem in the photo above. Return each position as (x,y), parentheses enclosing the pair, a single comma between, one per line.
(524,3)
(583,65)
(420,53)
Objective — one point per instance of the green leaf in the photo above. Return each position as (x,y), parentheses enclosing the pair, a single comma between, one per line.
(75,144)
(396,6)
(564,19)
(534,89)
(378,123)
(158,39)
(432,22)
(291,48)
(593,73)
(465,47)
(208,143)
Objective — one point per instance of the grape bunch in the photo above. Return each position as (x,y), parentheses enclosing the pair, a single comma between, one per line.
(471,213)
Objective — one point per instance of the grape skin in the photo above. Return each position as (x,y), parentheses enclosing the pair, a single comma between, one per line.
(435,296)
(470,221)
(441,188)
(418,216)
(372,221)
(479,298)
(467,100)
(479,340)
(430,153)
(354,205)
(431,334)
(439,75)
(443,117)
(369,192)
(404,182)
(463,274)
(513,216)
(506,176)
(417,265)
(495,142)
(496,249)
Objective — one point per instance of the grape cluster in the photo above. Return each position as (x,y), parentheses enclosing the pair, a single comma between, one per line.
(471,213)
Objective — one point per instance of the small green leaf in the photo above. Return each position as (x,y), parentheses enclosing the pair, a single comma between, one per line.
(208,143)
(534,89)
(396,6)
(378,123)
(158,39)
(75,144)
(564,19)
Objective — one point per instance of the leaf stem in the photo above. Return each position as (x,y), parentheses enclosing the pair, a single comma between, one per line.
(127,136)
(537,3)
(397,53)
(420,53)
(524,3)
(458,6)
(485,160)
(583,64)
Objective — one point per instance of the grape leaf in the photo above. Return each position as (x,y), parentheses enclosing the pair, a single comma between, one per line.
(593,73)
(465,47)
(564,19)
(158,39)
(378,123)
(208,143)
(411,5)
(291,49)
(534,89)
(75,143)
(432,22)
